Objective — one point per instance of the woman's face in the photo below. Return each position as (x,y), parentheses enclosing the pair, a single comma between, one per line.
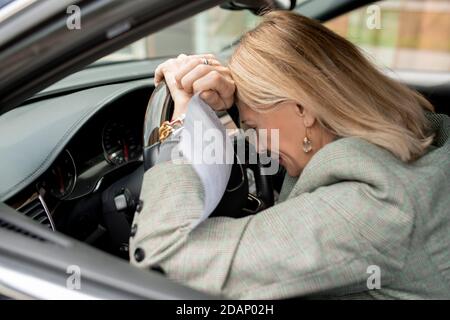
(291,122)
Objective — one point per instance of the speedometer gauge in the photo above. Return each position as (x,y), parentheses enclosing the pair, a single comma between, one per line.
(120,143)
(60,180)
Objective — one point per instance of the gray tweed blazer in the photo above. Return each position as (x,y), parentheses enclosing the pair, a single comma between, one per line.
(357,223)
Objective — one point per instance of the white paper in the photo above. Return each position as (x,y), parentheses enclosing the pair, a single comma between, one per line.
(202,130)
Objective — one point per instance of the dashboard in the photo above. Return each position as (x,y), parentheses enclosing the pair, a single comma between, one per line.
(109,141)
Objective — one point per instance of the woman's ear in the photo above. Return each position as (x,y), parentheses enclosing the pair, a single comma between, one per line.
(308,117)
(300,110)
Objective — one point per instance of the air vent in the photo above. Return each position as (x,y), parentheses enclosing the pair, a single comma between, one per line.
(37,210)
(8,226)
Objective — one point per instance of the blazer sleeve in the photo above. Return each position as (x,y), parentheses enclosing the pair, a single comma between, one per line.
(302,246)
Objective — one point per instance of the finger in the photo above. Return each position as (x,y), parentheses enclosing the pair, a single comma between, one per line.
(209,58)
(185,68)
(159,71)
(158,75)
(213,99)
(191,62)
(198,72)
(215,81)
(193,75)
(204,55)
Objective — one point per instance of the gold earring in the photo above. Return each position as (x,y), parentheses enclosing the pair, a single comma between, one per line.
(307,144)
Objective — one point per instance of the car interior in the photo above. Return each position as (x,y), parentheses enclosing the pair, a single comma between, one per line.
(86,141)
(91,190)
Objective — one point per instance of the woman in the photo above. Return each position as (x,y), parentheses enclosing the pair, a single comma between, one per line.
(364,209)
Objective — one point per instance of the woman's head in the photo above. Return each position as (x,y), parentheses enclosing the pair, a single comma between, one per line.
(295,75)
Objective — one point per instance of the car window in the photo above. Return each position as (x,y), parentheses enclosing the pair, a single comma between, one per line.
(207,32)
(4,3)
(401,34)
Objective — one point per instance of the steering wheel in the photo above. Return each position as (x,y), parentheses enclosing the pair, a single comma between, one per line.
(120,198)
(236,201)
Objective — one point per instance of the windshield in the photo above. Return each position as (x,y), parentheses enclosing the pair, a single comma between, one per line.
(207,32)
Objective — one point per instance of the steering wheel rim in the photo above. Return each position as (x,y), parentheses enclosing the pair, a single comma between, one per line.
(159,109)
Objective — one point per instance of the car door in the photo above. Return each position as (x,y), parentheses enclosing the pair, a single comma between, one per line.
(37,49)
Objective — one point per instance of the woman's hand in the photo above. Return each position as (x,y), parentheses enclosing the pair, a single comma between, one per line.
(188,75)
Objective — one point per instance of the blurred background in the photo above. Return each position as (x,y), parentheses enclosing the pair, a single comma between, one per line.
(413,34)
(410,35)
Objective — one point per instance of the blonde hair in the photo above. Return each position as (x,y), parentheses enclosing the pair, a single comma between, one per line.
(291,57)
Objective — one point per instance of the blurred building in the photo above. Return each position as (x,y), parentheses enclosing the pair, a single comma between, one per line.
(413,34)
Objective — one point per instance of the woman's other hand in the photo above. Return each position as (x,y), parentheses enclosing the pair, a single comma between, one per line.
(204,74)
